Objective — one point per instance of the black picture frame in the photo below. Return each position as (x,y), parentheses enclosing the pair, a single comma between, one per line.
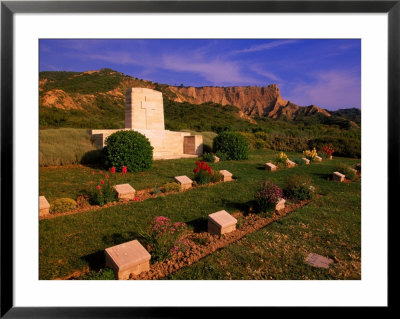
(9,8)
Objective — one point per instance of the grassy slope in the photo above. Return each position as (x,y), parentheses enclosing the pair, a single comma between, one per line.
(77,241)
(64,146)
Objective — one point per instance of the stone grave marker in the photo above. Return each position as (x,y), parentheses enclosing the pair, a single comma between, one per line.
(127,258)
(338,177)
(270,167)
(221,222)
(44,206)
(185,181)
(290,163)
(226,176)
(319,261)
(125,191)
(280,205)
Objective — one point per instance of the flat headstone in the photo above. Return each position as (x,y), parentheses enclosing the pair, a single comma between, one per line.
(280,205)
(226,176)
(125,191)
(319,261)
(270,167)
(305,160)
(318,159)
(216,159)
(44,206)
(127,258)
(290,163)
(221,222)
(339,177)
(185,181)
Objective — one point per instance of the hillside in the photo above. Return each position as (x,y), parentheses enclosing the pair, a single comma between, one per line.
(96,99)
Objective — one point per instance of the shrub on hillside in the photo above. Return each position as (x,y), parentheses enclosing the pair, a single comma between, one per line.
(348,147)
(267,196)
(128,148)
(233,145)
(299,187)
(346,170)
(61,205)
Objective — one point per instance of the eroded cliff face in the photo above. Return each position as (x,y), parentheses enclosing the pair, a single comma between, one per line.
(251,100)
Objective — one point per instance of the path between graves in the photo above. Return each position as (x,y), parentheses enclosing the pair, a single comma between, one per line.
(142,195)
(195,252)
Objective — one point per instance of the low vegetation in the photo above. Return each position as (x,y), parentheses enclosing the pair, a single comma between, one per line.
(77,242)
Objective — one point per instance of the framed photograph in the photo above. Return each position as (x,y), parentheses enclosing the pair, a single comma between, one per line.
(209,152)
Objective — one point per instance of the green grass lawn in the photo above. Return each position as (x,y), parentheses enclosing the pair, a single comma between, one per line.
(330,225)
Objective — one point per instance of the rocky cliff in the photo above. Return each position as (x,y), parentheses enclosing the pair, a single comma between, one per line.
(251,100)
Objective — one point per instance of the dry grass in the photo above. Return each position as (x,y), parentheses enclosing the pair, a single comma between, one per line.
(65,146)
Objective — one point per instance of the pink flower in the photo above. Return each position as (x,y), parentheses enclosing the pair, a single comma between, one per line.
(112,170)
(124,169)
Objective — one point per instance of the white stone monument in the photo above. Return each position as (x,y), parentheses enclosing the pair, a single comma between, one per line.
(144,113)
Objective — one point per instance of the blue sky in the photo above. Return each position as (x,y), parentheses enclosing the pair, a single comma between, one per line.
(326,73)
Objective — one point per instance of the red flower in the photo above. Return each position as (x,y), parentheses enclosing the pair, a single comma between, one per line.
(101,172)
(92,172)
(196,170)
(102,182)
(98,187)
(124,169)
(112,170)
(107,176)
(197,163)
(136,199)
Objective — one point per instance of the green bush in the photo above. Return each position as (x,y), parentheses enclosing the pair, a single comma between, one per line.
(346,170)
(233,145)
(299,187)
(259,144)
(221,156)
(172,187)
(208,157)
(61,205)
(128,148)
(215,177)
(348,147)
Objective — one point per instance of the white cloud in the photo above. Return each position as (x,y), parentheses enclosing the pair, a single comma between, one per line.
(332,89)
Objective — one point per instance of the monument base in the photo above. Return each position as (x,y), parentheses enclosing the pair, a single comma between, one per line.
(167,144)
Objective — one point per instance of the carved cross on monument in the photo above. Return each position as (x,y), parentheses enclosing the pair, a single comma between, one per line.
(144,109)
